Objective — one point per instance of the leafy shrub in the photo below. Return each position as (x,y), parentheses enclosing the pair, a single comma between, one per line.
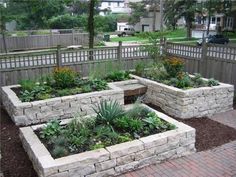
(64,77)
(140,68)
(97,146)
(129,124)
(174,66)
(97,84)
(124,138)
(101,43)
(59,151)
(26,96)
(138,111)
(27,85)
(107,112)
(65,21)
(52,128)
(157,72)
(38,92)
(154,122)
(184,81)
(173,81)
(198,81)
(212,82)
(117,76)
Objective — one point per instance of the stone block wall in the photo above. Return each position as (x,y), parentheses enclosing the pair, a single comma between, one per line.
(113,160)
(27,113)
(195,102)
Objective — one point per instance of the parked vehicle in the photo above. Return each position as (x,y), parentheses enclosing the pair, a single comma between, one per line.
(214,39)
(126,31)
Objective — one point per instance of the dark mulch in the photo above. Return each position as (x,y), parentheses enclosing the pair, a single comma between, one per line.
(15,162)
(209,133)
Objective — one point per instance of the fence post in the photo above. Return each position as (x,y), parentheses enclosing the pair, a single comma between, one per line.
(119,51)
(58,56)
(203,62)
(51,39)
(73,36)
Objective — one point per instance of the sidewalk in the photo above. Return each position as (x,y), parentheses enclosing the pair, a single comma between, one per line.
(218,162)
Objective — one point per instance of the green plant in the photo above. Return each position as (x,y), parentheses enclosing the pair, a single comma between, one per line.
(198,81)
(117,76)
(154,122)
(38,92)
(52,128)
(105,134)
(59,151)
(58,140)
(173,81)
(43,96)
(140,68)
(63,92)
(124,138)
(101,43)
(64,77)
(212,82)
(137,111)
(174,66)
(97,146)
(129,124)
(97,84)
(27,85)
(107,112)
(184,81)
(157,72)
(26,96)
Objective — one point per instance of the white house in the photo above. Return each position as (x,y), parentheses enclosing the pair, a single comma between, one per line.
(114,7)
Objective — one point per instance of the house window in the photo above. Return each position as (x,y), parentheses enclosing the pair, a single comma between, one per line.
(118,4)
(109,3)
(213,20)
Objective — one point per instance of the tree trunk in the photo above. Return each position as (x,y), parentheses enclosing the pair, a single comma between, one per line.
(161,15)
(154,17)
(3,28)
(4,41)
(188,29)
(208,24)
(91,27)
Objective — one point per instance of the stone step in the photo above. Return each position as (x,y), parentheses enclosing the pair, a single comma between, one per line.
(133,89)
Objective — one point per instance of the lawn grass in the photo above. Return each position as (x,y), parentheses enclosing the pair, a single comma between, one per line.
(127,38)
(171,34)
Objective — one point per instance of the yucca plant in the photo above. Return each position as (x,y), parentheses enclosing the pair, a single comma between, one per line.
(107,112)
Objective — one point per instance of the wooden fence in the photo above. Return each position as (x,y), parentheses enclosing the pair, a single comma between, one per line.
(32,65)
(212,61)
(43,41)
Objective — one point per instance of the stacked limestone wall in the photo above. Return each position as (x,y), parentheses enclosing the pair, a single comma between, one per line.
(113,160)
(26,113)
(195,102)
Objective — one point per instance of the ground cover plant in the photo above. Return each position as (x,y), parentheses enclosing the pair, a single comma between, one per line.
(111,125)
(64,81)
(170,71)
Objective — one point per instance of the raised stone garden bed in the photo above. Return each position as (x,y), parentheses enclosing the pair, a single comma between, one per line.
(195,102)
(113,160)
(26,113)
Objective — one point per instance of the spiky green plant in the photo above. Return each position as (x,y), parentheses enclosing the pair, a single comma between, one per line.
(107,112)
